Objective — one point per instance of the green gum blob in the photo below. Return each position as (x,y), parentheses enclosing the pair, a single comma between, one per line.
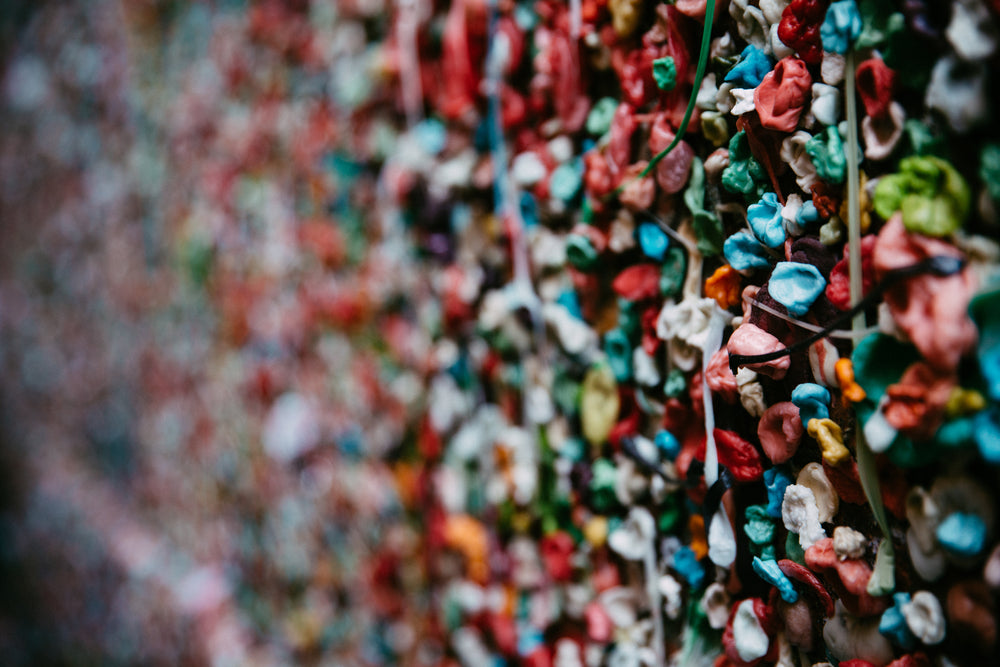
(932,195)
(670,514)
(600,116)
(794,550)
(714,127)
(672,272)
(874,23)
(744,175)
(827,152)
(602,485)
(759,528)
(580,252)
(676,384)
(707,225)
(665,73)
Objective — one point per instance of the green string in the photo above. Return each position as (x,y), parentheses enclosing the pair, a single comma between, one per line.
(706,39)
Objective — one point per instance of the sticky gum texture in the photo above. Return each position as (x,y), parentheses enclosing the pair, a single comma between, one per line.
(445,373)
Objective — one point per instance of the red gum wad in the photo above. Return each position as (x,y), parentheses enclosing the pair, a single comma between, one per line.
(799,28)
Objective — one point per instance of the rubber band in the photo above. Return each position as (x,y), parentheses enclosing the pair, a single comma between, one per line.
(848,334)
(939,265)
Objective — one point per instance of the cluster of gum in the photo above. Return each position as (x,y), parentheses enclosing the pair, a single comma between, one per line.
(468,278)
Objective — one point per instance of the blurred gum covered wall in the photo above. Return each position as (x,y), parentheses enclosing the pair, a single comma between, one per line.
(499,332)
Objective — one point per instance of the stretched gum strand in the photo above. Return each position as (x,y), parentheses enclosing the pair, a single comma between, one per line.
(867,473)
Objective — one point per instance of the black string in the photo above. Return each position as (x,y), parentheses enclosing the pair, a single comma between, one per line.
(939,265)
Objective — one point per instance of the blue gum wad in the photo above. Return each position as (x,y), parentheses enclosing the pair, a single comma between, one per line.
(841,27)
(653,240)
(933,197)
(759,529)
(769,571)
(796,286)
(962,534)
(619,351)
(766,221)
(893,625)
(665,73)
(807,217)
(707,225)
(812,400)
(745,253)
(668,444)
(744,174)
(986,427)
(751,69)
(827,152)
(687,565)
(566,180)
(776,480)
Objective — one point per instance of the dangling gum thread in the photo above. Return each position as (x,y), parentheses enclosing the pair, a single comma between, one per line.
(885,556)
(409,67)
(504,194)
(706,39)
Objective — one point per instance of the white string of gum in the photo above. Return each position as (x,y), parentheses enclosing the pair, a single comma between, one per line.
(882,580)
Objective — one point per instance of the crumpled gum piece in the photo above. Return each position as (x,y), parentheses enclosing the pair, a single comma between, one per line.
(881,135)
(828,155)
(796,286)
(800,515)
(849,388)
(851,580)
(841,26)
(793,153)
(749,339)
(849,543)
(766,222)
(848,637)
(769,571)
(739,455)
(599,404)
(781,96)
(875,82)
(745,253)
(931,310)
(725,286)
(747,639)
(625,15)
(831,440)
(673,170)
(800,28)
(925,618)
(827,502)
(780,431)
(933,197)
(915,405)
(715,603)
